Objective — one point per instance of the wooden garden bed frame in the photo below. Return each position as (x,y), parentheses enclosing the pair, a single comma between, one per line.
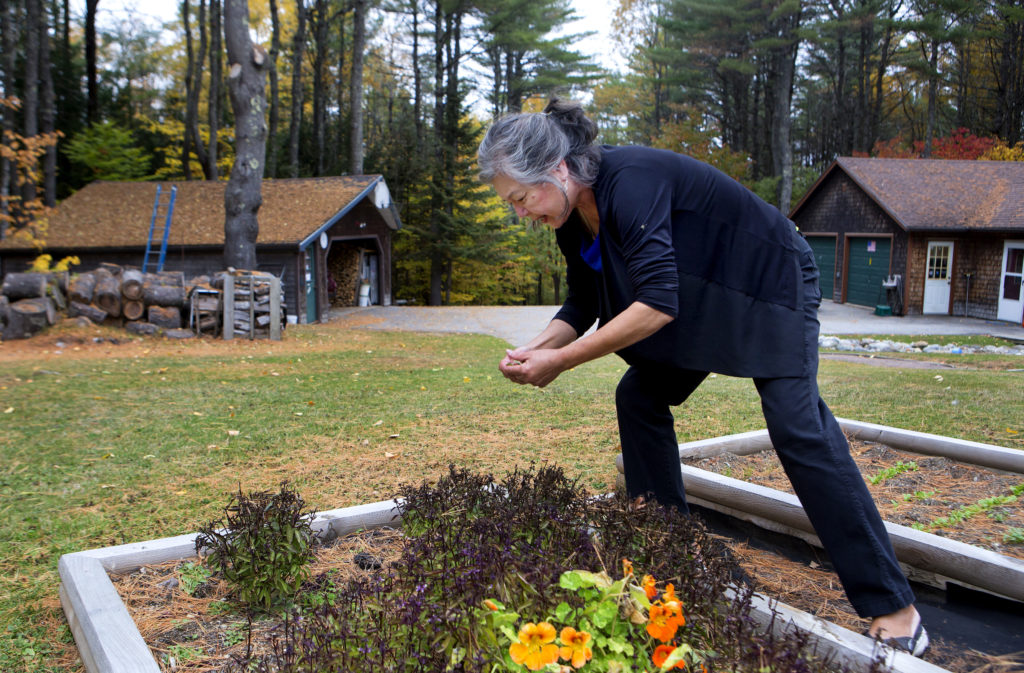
(926,558)
(109,641)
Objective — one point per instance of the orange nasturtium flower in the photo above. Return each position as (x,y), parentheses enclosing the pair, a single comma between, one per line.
(574,647)
(535,648)
(627,567)
(664,620)
(649,587)
(670,595)
(660,655)
(491,605)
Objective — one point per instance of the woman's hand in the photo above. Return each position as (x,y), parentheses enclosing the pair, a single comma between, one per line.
(535,367)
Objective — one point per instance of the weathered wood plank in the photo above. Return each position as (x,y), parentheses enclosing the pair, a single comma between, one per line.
(966,563)
(986,455)
(103,629)
(857,651)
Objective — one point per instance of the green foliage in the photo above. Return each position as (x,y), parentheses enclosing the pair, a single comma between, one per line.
(264,547)
(1014,536)
(109,152)
(896,470)
(192,576)
(961,514)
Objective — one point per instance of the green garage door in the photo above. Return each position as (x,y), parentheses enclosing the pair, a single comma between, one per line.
(869,266)
(824,248)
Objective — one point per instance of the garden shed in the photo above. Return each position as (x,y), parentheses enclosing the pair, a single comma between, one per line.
(326,238)
(948,234)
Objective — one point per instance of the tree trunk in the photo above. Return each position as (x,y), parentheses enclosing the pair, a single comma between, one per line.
(933,93)
(436,258)
(782,120)
(190,73)
(356,84)
(213,104)
(417,73)
(339,136)
(9,63)
(92,106)
(275,102)
(47,116)
(295,123)
(192,104)
(320,24)
(30,89)
(247,86)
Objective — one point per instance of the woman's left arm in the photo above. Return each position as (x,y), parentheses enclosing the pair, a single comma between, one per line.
(638,321)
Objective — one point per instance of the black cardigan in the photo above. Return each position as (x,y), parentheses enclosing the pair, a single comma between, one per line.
(688,240)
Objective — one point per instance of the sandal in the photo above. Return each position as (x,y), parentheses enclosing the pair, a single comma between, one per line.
(915,644)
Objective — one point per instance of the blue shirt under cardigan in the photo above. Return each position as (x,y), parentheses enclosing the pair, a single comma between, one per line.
(688,240)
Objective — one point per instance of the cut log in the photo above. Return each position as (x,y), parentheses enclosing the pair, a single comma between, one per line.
(143,328)
(28,317)
(25,285)
(131,284)
(168,317)
(108,294)
(166,289)
(97,315)
(133,310)
(82,287)
(112,269)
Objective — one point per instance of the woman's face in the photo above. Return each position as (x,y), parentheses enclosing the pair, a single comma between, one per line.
(544,203)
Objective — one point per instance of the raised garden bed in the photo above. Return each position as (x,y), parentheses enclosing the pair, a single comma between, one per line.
(109,641)
(955,560)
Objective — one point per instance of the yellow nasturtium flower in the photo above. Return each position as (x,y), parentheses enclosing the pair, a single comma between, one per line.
(535,648)
(574,647)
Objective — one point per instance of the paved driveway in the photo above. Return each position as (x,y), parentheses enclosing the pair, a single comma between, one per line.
(519,324)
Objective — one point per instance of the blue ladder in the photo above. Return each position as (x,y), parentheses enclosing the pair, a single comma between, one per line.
(163,208)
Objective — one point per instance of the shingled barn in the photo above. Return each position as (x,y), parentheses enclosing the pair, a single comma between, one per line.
(326,238)
(950,233)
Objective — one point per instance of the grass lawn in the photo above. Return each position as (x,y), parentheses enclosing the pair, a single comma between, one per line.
(106,443)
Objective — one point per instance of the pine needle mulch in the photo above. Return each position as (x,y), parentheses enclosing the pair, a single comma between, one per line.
(204,631)
(911,489)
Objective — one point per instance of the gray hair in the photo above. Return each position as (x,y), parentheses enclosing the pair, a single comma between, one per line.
(528,146)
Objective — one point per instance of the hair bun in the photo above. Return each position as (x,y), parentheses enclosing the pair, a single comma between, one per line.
(569,115)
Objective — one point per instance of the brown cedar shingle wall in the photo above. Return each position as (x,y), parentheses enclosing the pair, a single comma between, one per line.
(841,207)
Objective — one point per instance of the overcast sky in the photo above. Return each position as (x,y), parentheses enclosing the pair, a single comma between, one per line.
(596,16)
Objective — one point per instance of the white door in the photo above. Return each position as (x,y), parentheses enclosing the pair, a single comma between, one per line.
(1011,295)
(938,277)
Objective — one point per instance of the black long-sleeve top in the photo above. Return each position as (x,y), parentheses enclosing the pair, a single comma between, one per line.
(684,238)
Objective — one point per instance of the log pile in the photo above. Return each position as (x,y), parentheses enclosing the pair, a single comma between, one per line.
(249,304)
(141,303)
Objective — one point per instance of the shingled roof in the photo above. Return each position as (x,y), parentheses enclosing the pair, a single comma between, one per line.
(943,195)
(117,214)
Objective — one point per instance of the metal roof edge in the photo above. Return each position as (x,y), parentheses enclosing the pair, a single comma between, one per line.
(306,242)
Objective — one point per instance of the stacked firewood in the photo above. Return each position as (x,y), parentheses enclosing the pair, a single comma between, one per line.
(29,302)
(250,305)
(142,303)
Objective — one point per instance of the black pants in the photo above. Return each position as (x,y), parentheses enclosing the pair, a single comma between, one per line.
(813,452)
